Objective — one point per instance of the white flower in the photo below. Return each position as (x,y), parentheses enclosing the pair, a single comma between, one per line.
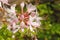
(14,27)
(30,8)
(13,8)
(16,30)
(34,20)
(35,24)
(5,2)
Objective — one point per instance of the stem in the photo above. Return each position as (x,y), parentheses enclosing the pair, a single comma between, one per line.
(22,10)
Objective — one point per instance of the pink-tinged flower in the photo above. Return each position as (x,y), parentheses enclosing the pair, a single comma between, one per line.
(30,8)
(13,27)
(34,20)
(35,24)
(12,19)
(12,14)
(4,2)
(15,20)
(11,10)
(30,20)
(24,17)
(26,20)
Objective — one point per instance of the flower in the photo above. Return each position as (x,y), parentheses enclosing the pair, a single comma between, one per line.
(14,27)
(11,10)
(30,8)
(34,20)
(28,19)
(13,24)
(4,2)
(12,19)
(31,20)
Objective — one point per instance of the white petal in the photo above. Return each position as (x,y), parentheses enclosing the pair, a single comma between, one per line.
(4,1)
(13,36)
(30,8)
(35,24)
(31,28)
(22,30)
(0,4)
(13,8)
(15,31)
(22,4)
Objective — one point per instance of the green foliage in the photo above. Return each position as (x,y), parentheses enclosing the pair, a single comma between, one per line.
(44,9)
(5,33)
(48,31)
(56,6)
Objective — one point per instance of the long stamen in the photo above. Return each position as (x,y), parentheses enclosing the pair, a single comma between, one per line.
(22,6)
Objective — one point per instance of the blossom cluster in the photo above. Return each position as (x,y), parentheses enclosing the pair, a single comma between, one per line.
(29,19)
